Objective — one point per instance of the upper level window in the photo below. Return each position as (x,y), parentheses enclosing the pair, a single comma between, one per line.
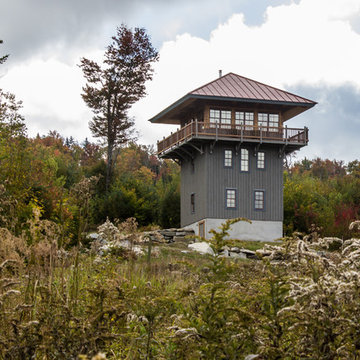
(259,199)
(230,198)
(260,160)
(244,160)
(262,119)
(228,158)
(270,121)
(222,117)
(244,118)
(273,122)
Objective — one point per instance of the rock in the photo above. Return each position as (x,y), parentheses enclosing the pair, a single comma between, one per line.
(180,233)
(225,253)
(235,249)
(236,255)
(167,233)
(202,247)
(248,252)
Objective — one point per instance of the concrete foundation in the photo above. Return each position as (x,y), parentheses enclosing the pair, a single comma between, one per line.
(242,230)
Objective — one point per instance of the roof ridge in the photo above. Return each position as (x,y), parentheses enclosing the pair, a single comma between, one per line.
(210,82)
(273,87)
(261,84)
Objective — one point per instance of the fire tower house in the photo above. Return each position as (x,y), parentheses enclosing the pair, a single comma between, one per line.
(231,144)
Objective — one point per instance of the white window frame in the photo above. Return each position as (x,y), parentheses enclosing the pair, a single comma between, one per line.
(228,158)
(244,160)
(260,160)
(259,199)
(230,198)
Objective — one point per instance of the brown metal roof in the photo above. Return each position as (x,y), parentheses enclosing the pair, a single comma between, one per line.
(236,86)
(236,89)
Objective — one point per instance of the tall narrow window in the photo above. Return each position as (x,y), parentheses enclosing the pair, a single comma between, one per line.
(231,198)
(228,158)
(262,120)
(226,118)
(244,160)
(192,202)
(214,116)
(260,160)
(273,122)
(259,199)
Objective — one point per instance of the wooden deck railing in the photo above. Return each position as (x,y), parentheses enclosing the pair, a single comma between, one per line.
(195,129)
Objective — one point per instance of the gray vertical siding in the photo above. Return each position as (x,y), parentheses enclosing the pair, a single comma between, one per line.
(193,182)
(211,179)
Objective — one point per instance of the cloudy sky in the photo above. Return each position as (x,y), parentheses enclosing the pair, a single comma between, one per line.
(309,47)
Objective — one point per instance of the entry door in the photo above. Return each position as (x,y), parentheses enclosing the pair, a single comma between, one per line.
(202,228)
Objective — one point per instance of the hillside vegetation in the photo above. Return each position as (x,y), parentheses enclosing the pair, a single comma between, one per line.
(299,300)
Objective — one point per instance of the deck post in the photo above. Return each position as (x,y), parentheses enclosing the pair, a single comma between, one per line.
(216,130)
(196,128)
(286,134)
(241,132)
(260,134)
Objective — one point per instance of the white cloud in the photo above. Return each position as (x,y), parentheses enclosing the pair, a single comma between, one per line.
(310,42)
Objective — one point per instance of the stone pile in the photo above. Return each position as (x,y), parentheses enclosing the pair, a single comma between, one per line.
(232,252)
(169,235)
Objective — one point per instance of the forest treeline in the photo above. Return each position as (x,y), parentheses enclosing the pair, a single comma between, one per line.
(52,172)
(65,181)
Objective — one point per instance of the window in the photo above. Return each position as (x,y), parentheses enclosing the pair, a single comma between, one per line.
(262,119)
(222,117)
(214,116)
(259,199)
(269,120)
(192,202)
(273,122)
(244,118)
(231,198)
(244,160)
(226,118)
(260,161)
(228,158)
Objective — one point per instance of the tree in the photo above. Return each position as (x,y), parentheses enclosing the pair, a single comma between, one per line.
(112,88)
(3,58)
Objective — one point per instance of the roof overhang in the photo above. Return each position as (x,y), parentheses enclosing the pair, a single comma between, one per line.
(170,115)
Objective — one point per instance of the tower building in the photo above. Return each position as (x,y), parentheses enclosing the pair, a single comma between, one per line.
(230,144)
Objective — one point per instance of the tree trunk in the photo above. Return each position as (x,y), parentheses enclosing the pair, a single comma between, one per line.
(109,165)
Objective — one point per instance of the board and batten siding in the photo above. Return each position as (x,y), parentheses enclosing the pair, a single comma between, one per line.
(211,179)
(193,181)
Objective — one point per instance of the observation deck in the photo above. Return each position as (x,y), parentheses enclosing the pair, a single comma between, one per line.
(195,134)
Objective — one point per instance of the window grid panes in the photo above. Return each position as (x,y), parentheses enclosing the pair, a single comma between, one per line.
(230,198)
(246,118)
(244,160)
(259,200)
(228,158)
(261,160)
(222,117)
(225,117)
(214,116)
(273,122)
(262,119)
